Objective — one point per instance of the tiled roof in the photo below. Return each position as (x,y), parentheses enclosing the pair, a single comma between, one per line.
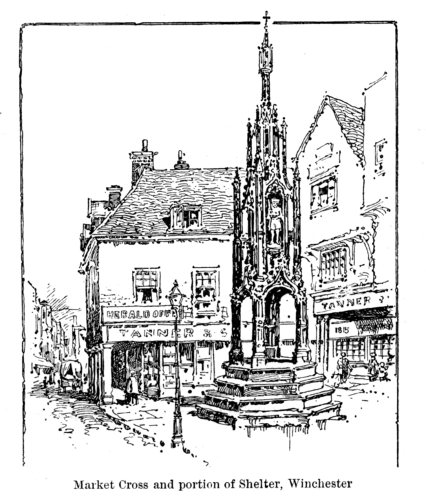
(144,212)
(350,120)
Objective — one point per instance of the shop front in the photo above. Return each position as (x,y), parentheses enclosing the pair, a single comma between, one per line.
(362,325)
(141,340)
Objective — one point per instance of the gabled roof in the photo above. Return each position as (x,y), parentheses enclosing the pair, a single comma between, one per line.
(350,120)
(144,213)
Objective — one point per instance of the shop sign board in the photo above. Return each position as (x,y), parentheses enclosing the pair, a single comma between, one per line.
(349,329)
(353,302)
(137,314)
(346,329)
(166,333)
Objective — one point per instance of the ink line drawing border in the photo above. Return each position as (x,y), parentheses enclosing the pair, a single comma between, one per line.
(207,23)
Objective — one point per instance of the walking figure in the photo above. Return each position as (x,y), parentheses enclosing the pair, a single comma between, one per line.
(343,368)
(383,373)
(373,368)
(132,389)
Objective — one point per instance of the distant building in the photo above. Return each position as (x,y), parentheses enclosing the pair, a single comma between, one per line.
(347,165)
(172,225)
(48,341)
(39,362)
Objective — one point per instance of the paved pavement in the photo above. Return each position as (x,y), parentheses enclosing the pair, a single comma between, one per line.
(68,424)
(365,405)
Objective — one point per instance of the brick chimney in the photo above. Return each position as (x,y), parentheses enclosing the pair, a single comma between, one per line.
(141,160)
(114,196)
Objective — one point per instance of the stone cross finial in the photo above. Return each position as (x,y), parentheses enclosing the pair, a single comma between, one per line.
(266,17)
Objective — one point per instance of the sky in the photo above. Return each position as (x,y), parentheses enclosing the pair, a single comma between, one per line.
(91,94)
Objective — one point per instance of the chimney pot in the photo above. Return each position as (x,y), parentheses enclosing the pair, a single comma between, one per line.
(181,163)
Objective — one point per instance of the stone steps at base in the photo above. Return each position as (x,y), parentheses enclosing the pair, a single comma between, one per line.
(268,418)
(270,372)
(279,402)
(274,387)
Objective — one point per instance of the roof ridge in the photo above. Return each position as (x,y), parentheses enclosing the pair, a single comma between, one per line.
(145,209)
(355,142)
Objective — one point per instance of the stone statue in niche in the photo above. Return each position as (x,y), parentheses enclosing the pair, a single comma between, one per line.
(276,222)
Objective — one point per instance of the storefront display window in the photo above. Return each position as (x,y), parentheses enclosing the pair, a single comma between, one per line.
(382,346)
(354,348)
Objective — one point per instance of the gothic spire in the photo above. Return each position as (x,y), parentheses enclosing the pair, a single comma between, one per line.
(265,63)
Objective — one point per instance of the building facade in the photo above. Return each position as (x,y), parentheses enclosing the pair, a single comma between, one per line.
(174,224)
(347,165)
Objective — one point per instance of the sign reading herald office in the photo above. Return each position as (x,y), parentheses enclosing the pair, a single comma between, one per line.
(172,225)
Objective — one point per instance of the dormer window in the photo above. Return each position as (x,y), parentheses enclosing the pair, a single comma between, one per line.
(186,217)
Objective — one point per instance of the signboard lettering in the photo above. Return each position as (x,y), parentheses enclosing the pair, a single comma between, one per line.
(167,333)
(351,302)
(137,314)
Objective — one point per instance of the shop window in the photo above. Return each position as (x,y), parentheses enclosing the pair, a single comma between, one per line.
(206,288)
(381,347)
(146,284)
(379,157)
(186,353)
(324,194)
(334,264)
(353,347)
(186,217)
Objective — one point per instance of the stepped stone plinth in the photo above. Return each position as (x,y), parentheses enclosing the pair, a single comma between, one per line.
(274,395)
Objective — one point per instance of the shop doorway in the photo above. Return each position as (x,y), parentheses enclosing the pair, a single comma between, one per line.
(140,358)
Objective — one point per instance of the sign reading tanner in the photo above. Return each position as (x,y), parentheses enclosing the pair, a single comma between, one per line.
(351,302)
(137,314)
(167,333)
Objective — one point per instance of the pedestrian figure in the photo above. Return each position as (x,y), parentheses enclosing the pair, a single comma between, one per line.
(383,373)
(343,368)
(46,390)
(132,389)
(373,368)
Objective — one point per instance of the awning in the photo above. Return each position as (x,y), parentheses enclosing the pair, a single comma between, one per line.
(41,362)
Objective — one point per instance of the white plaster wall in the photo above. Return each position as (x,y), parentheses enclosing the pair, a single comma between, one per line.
(176,261)
(347,219)
(381,189)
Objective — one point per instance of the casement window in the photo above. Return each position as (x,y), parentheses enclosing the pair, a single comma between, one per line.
(379,157)
(324,194)
(186,217)
(146,284)
(206,291)
(323,152)
(334,264)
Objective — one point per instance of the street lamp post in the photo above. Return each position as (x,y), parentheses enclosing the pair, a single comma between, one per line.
(175,298)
